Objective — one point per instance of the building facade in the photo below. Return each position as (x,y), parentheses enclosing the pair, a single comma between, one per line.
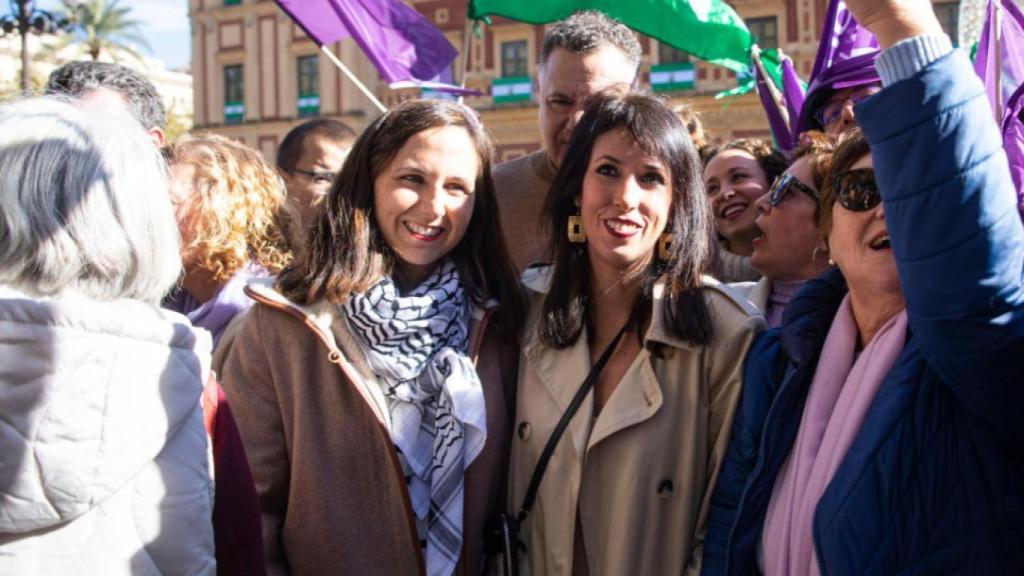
(257,75)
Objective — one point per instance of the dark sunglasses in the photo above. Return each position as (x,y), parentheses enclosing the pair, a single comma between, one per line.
(782,186)
(856,190)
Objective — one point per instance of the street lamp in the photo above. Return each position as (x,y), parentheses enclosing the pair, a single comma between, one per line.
(24,17)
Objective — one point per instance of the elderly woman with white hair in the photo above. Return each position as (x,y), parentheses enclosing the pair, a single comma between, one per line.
(104,466)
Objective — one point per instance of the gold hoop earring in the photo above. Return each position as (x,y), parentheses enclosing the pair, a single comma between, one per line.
(665,246)
(577,235)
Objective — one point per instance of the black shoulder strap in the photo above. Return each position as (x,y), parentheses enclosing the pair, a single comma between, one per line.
(563,423)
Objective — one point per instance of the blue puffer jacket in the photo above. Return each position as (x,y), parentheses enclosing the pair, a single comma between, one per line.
(934,481)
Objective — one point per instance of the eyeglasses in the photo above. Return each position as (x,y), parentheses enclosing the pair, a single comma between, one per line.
(780,189)
(856,190)
(831,111)
(317,177)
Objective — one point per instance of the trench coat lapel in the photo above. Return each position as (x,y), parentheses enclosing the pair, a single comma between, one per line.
(562,372)
(637,397)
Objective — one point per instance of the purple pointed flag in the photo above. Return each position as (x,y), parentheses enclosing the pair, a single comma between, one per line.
(841,39)
(788,87)
(1013,142)
(778,124)
(846,59)
(793,90)
(401,43)
(1011,57)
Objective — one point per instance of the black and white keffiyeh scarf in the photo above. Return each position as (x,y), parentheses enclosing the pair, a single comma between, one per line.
(417,344)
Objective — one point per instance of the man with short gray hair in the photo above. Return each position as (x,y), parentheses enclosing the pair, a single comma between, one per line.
(106,86)
(581,55)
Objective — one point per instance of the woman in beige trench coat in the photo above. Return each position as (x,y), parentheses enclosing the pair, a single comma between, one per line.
(627,488)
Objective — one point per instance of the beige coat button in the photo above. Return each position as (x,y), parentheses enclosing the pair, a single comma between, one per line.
(665,489)
(525,431)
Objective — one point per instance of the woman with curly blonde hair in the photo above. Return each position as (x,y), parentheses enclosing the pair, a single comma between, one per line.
(232,213)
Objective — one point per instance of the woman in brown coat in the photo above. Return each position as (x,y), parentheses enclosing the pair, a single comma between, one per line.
(369,382)
(627,488)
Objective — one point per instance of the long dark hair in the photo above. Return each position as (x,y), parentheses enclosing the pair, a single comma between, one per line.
(659,132)
(346,252)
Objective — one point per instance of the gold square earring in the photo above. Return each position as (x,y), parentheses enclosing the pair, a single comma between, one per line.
(665,246)
(577,235)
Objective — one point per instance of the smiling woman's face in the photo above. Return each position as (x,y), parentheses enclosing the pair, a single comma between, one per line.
(423,199)
(734,181)
(859,243)
(624,203)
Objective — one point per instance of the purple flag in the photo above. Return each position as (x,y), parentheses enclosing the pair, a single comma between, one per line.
(778,125)
(399,41)
(1010,55)
(441,86)
(841,39)
(846,59)
(1013,142)
(793,90)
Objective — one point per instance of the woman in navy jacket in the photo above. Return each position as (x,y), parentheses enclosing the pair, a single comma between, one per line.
(932,479)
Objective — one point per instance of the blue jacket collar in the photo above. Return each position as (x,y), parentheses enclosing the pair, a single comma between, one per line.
(809,315)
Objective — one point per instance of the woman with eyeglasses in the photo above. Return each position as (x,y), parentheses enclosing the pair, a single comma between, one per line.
(735,177)
(790,249)
(879,431)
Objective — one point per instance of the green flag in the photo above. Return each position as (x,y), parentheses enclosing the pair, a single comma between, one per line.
(745,77)
(708,29)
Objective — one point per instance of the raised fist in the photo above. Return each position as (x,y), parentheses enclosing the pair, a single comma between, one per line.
(895,20)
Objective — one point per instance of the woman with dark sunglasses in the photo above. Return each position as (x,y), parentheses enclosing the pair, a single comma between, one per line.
(790,249)
(879,431)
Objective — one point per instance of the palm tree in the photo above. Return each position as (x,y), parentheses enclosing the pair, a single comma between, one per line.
(103,26)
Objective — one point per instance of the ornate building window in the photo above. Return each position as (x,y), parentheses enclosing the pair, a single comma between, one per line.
(513,59)
(670,55)
(765,31)
(234,94)
(308,68)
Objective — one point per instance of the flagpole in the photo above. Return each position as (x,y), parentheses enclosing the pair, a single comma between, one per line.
(997,45)
(348,73)
(755,52)
(465,56)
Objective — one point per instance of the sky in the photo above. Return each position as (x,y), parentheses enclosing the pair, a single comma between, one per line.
(164,24)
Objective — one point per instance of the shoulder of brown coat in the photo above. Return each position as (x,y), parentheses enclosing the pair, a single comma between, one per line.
(525,178)
(517,167)
(275,310)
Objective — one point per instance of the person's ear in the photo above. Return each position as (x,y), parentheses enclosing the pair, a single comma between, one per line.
(157,136)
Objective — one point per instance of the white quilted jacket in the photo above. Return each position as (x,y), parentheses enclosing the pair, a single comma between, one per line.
(104,465)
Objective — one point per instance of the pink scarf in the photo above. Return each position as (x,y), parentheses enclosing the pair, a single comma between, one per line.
(839,398)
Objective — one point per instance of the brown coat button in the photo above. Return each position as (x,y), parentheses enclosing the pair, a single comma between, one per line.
(665,489)
(525,431)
